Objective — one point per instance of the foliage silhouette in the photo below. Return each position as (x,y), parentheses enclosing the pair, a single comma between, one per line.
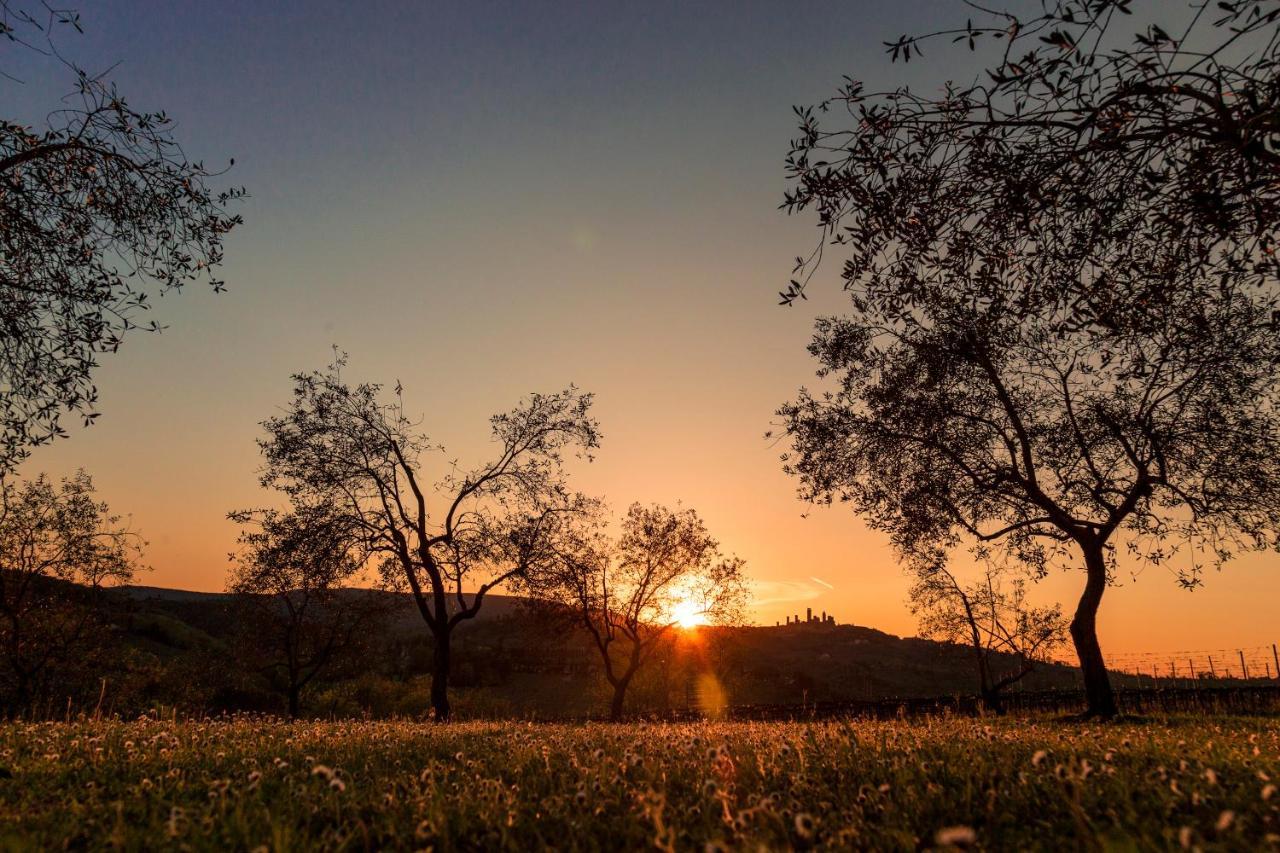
(100,210)
(343,447)
(631,591)
(990,617)
(59,548)
(297,621)
(1063,329)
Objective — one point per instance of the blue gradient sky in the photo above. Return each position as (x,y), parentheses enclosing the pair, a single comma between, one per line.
(483,199)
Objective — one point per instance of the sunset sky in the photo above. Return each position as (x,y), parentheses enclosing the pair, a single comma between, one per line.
(482,200)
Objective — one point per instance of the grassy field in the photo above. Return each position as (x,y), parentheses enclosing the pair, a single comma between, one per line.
(1203,782)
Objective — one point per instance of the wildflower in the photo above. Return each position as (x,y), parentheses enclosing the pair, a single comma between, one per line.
(322,770)
(1225,820)
(804,825)
(1267,791)
(1211,776)
(1184,837)
(956,836)
(709,788)
(176,823)
(1038,758)
(337,784)
(715,847)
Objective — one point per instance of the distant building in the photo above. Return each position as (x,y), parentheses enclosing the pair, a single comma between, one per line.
(824,618)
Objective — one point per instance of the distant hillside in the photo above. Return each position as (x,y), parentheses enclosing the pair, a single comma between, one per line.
(507,659)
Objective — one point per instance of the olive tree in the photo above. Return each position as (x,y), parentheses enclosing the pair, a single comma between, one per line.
(992,616)
(100,210)
(59,549)
(450,541)
(297,618)
(662,571)
(1062,340)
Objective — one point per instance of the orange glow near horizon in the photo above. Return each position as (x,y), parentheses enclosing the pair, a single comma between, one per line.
(629,243)
(687,615)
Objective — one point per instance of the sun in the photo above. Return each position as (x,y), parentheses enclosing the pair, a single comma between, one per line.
(687,614)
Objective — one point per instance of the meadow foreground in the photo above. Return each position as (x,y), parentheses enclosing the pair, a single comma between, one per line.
(255,784)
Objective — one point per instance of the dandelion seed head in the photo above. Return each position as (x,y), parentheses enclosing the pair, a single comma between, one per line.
(956,836)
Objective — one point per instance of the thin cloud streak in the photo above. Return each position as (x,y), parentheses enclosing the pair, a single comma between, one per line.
(766,592)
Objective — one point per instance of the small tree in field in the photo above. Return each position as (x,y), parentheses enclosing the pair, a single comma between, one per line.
(297,619)
(100,210)
(344,447)
(1063,340)
(59,548)
(992,619)
(663,571)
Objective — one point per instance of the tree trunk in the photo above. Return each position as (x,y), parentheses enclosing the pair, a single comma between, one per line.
(1084,633)
(984,676)
(22,696)
(440,677)
(619,696)
(992,701)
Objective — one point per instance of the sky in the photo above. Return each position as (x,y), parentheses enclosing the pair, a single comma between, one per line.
(480,200)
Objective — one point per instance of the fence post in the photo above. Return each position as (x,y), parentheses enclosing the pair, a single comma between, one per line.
(1276,656)
(1244,670)
(1213,673)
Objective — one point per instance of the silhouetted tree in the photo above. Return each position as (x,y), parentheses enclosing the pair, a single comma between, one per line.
(344,447)
(296,618)
(663,570)
(59,548)
(991,618)
(1063,338)
(100,209)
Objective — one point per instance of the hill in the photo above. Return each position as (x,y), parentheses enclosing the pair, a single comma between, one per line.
(507,660)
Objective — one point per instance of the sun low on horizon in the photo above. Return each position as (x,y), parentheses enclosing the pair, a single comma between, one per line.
(688,614)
